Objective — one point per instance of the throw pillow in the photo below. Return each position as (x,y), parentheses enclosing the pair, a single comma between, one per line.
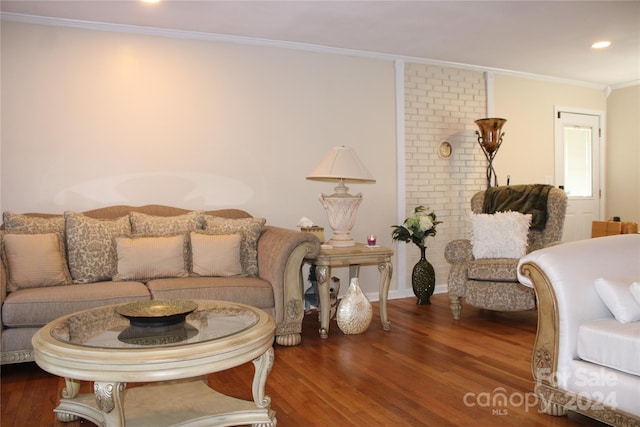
(91,250)
(143,224)
(215,255)
(146,258)
(31,224)
(499,235)
(249,229)
(635,291)
(27,224)
(616,295)
(34,260)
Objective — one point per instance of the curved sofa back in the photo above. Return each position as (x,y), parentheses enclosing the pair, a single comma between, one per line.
(117,211)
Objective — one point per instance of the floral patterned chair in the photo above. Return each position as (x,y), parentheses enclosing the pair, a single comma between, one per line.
(492,283)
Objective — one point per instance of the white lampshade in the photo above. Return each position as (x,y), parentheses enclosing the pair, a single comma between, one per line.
(341,164)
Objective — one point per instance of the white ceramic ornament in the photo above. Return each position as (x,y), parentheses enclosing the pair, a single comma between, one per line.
(354,312)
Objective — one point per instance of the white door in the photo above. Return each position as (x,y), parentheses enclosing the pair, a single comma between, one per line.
(577,169)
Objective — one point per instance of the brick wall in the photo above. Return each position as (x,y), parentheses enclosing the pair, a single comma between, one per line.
(441,104)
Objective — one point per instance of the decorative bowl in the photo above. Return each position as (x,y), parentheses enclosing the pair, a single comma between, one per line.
(157,312)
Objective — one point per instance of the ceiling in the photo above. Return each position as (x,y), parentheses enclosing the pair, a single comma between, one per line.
(547,38)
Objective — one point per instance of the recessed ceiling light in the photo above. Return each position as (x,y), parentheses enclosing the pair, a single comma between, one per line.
(601,45)
(151,1)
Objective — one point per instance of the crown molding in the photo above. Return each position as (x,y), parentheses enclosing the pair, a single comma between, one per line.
(627,84)
(195,35)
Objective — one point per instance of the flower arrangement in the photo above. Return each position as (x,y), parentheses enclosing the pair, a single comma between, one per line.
(420,225)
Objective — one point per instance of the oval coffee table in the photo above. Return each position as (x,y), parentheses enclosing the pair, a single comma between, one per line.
(100,345)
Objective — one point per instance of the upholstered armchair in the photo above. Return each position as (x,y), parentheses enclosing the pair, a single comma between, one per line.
(492,283)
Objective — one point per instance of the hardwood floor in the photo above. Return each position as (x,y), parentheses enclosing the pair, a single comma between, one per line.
(428,370)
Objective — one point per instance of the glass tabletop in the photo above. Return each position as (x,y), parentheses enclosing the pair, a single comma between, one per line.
(104,327)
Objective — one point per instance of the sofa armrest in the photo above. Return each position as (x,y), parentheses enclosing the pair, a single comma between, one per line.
(458,251)
(3,288)
(281,253)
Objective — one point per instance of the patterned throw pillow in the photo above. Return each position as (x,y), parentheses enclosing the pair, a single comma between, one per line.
(152,225)
(249,230)
(90,246)
(215,255)
(34,260)
(147,258)
(33,225)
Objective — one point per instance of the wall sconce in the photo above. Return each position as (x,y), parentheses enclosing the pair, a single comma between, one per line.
(490,139)
(445,150)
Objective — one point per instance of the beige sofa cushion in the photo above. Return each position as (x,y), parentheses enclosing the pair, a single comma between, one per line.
(37,307)
(146,258)
(34,260)
(241,289)
(91,250)
(249,230)
(215,255)
(147,225)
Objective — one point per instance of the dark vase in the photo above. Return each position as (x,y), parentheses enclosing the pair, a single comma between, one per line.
(423,279)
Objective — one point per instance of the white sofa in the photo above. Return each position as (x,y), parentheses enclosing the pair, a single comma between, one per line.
(584,360)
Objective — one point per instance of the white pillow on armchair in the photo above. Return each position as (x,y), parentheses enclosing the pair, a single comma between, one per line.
(499,235)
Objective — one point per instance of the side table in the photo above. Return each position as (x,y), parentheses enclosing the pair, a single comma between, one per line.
(352,257)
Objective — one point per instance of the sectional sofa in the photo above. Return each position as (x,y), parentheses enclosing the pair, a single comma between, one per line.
(56,264)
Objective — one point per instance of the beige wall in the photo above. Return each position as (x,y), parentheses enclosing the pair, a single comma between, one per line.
(527,152)
(623,154)
(93,118)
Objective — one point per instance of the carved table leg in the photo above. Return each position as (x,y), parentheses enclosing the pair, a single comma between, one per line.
(385,269)
(109,398)
(323,274)
(263,365)
(71,390)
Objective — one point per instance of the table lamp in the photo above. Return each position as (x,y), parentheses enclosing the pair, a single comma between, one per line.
(341,165)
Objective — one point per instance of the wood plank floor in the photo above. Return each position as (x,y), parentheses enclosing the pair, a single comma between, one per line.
(428,370)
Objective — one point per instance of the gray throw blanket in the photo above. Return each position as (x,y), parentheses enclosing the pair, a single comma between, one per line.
(526,199)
